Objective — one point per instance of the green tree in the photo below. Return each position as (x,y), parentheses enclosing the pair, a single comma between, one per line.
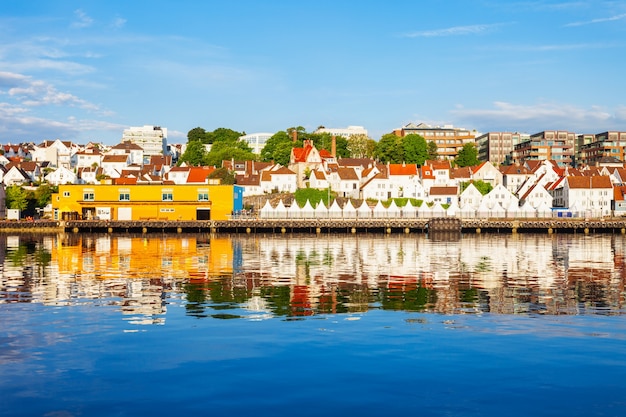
(432,150)
(222,134)
(278,148)
(43,194)
(226,153)
(357,146)
(482,186)
(325,141)
(225,176)
(389,149)
(467,156)
(415,149)
(197,134)
(16,198)
(194,155)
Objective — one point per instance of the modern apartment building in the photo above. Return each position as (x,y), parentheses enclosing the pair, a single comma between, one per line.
(449,139)
(601,145)
(345,132)
(256,141)
(496,147)
(553,145)
(152,139)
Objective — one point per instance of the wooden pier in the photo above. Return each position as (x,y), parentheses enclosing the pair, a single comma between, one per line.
(371,225)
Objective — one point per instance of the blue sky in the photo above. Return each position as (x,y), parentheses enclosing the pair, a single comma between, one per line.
(86,70)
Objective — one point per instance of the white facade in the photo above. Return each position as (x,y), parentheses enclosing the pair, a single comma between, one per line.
(345,132)
(256,141)
(61,175)
(152,139)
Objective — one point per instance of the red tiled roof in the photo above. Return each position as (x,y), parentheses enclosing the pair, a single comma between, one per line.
(443,190)
(199,174)
(598,181)
(301,154)
(347,174)
(402,169)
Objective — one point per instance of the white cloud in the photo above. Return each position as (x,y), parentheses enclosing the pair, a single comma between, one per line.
(452,31)
(33,93)
(17,124)
(82,20)
(600,20)
(542,116)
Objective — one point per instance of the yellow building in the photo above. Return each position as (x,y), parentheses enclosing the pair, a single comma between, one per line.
(146,202)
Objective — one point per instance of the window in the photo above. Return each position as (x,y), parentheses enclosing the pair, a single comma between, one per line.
(89,195)
(167,195)
(124,196)
(66,193)
(203,196)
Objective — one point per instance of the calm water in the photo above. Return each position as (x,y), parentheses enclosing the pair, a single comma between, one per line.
(335,325)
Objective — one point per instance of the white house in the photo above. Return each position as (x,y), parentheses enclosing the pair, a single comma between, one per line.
(488,173)
(281,180)
(405,181)
(377,188)
(345,182)
(537,196)
(61,175)
(132,150)
(113,165)
(470,197)
(15,176)
(513,176)
(87,158)
(499,195)
(318,180)
(592,195)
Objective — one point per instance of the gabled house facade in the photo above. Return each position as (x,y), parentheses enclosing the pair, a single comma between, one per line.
(592,196)
(61,175)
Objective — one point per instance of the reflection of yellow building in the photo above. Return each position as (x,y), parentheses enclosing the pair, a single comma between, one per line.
(106,257)
(147,202)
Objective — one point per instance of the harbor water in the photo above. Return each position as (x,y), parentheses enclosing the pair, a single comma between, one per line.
(329,324)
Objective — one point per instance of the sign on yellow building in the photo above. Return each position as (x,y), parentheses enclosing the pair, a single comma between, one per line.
(146,202)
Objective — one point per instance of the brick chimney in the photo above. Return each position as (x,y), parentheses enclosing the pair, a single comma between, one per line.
(294,136)
(333,146)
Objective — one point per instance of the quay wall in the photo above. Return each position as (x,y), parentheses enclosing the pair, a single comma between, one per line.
(373,225)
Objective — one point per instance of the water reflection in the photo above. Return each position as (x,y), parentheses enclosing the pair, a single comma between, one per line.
(303,275)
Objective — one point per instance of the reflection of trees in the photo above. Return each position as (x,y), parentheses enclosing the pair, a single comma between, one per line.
(413,297)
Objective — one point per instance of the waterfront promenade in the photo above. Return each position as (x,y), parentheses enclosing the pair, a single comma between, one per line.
(317,225)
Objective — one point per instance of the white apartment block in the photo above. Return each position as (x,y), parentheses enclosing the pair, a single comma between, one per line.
(345,132)
(152,139)
(256,141)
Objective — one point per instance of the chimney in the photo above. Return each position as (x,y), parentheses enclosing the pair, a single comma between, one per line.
(333,147)
(294,136)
